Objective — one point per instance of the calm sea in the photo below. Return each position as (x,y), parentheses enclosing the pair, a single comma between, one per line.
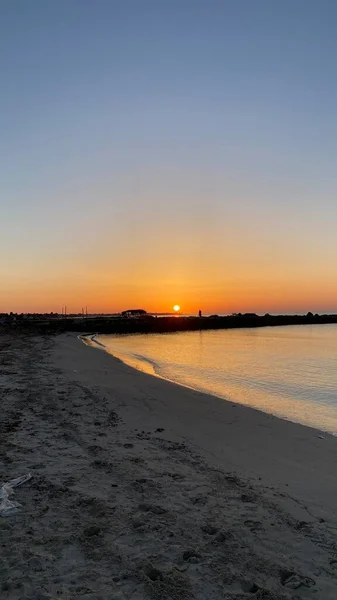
(290,372)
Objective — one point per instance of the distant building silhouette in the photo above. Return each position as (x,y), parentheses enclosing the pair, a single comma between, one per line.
(134,312)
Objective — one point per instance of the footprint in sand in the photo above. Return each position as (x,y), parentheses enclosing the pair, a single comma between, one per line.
(136,459)
(153,573)
(199,500)
(191,556)
(156,510)
(209,529)
(175,476)
(142,436)
(253,525)
(248,498)
(303,526)
(102,464)
(249,587)
(94,449)
(293,581)
(234,480)
(223,536)
(113,419)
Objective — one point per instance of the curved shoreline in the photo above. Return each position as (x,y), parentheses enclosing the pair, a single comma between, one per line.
(125,360)
(141,365)
(245,437)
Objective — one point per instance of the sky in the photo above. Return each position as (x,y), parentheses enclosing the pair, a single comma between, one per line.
(155,152)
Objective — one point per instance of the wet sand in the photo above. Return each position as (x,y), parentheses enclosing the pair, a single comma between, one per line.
(143,489)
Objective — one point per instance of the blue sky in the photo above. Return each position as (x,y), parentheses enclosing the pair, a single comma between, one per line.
(177,130)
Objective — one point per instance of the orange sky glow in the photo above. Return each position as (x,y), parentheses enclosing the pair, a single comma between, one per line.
(104,294)
(152,257)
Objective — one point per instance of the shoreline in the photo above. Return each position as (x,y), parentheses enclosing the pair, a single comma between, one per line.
(227,411)
(96,345)
(142,489)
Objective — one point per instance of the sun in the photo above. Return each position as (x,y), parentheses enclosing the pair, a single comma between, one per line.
(176,308)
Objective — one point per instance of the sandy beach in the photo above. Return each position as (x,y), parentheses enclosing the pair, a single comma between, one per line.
(142,489)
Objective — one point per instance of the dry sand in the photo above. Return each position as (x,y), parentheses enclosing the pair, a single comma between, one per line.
(142,489)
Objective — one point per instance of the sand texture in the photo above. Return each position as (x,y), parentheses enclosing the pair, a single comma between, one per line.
(141,489)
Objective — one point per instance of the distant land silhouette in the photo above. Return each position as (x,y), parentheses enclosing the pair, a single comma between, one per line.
(138,321)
